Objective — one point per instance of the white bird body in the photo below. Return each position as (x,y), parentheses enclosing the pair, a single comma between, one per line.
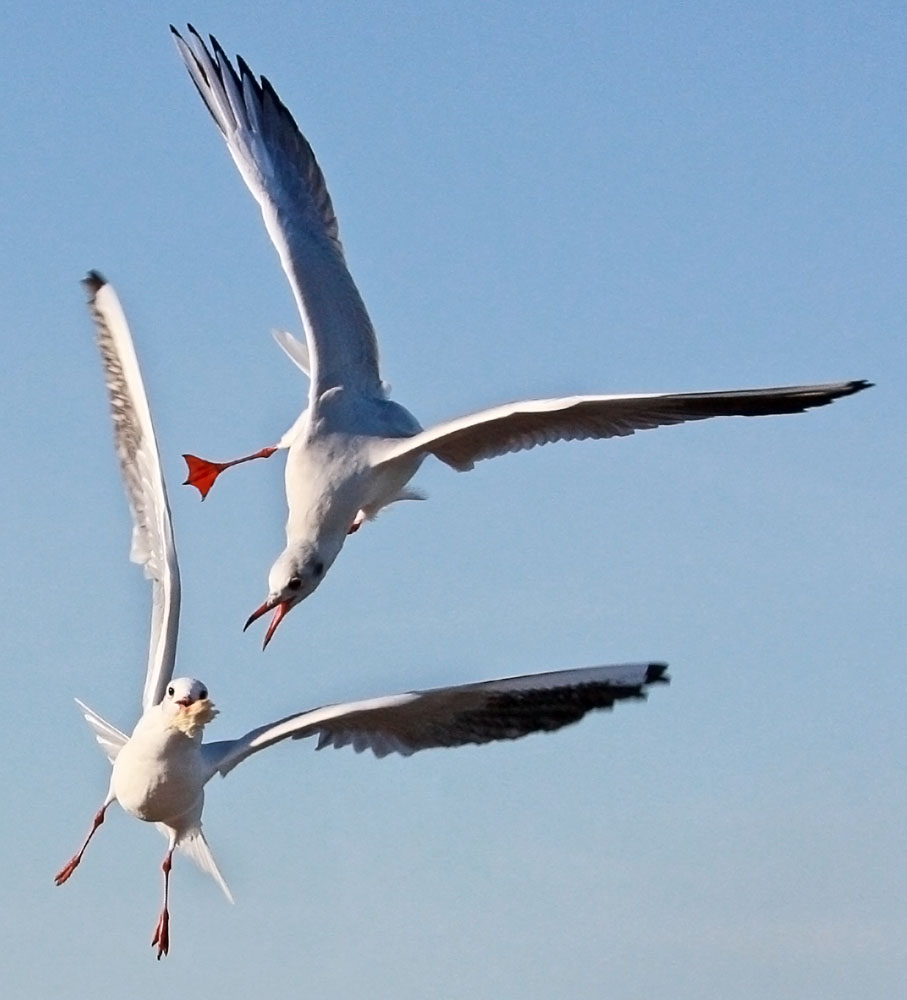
(334,480)
(161,769)
(158,775)
(336,469)
(355,451)
(335,462)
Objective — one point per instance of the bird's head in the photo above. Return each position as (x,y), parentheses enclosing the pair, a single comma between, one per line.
(187,706)
(293,577)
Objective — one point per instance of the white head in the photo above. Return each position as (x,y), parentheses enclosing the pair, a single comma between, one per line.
(186,705)
(296,574)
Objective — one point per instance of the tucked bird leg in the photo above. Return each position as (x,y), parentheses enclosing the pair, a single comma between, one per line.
(202,473)
(371,513)
(67,870)
(162,931)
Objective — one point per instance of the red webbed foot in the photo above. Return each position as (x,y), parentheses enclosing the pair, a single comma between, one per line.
(162,934)
(202,473)
(67,870)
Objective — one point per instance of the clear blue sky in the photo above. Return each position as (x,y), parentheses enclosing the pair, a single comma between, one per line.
(536,199)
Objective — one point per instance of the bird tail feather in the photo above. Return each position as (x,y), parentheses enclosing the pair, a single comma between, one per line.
(195,845)
(197,848)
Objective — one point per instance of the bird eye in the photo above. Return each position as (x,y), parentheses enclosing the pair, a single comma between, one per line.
(318,568)
(170,691)
(294,584)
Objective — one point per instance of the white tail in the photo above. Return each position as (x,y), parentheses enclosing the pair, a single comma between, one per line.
(195,845)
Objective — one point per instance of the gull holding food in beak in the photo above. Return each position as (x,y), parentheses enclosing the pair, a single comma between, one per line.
(353,451)
(160,771)
(157,771)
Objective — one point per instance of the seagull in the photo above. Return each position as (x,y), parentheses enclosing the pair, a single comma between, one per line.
(353,450)
(160,771)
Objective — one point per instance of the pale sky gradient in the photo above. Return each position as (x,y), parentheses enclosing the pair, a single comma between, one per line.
(536,199)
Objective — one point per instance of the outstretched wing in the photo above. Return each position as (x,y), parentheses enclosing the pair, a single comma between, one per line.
(281,171)
(516,426)
(140,465)
(450,717)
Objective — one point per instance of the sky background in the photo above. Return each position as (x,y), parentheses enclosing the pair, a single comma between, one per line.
(535,199)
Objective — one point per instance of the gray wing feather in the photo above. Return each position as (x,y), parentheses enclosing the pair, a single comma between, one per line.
(503,709)
(280,169)
(517,426)
(140,464)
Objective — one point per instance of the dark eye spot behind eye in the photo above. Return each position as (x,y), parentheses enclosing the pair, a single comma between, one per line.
(318,568)
(203,693)
(294,584)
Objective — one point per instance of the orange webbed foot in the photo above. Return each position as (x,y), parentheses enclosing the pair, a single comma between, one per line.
(202,473)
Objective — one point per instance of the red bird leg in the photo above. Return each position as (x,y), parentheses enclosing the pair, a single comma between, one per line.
(162,931)
(202,473)
(67,870)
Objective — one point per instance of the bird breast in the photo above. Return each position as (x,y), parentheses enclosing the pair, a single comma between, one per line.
(160,779)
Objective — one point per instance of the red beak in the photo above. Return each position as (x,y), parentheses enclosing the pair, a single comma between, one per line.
(280,611)
(185,702)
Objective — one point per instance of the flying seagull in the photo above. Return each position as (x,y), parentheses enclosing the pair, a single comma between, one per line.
(353,450)
(160,771)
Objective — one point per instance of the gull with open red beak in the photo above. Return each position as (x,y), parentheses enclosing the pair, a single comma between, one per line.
(280,609)
(292,578)
(353,450)
(280,605)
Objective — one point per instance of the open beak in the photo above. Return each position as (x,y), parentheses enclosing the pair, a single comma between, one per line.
(280,610)
(184,702)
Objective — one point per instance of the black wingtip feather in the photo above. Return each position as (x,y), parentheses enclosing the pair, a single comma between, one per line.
(224,65)
(217,48)
(221,60)
(656,673)
(191,29)
(244,71)
(268,88)
(847,389)
(94,281)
